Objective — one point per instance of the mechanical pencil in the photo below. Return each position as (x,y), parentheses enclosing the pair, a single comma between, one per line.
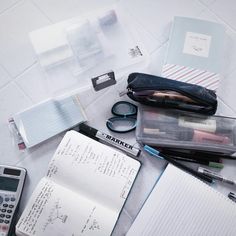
(108,139)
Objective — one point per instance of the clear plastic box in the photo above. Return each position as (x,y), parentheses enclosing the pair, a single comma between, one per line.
(177,129)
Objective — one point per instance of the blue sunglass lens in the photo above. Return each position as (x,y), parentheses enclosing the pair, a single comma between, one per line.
(121,125)
(124,109)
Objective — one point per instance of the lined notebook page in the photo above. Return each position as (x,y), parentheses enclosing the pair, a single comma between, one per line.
(181,204)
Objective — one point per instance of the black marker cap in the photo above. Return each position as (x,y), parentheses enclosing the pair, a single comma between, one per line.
(88,131)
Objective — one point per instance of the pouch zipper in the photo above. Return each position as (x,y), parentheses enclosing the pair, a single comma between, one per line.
(132,90)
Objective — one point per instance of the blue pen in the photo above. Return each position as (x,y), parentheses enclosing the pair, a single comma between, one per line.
(156,153)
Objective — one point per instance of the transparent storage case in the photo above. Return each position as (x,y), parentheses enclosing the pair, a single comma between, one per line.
(184,130)
(74,51)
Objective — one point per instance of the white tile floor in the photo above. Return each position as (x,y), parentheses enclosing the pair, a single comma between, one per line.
(22,82)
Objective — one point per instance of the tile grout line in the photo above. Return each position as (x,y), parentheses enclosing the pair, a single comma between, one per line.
(140,23)
(24,93)
(7,72)
(10,77)
(229,107)
(14,78)
(19,161)
(159,47)
(11,6)
(25,70)
(217,16)
(36,5)
(18,86)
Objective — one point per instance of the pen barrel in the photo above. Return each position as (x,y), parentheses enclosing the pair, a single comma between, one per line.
(215,176)
(127,148)
(108,139)
(188,169)
(228,181)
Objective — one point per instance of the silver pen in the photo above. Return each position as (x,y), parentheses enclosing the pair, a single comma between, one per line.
(215,175)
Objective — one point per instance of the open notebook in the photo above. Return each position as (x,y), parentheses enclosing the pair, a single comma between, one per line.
(181,204)
(86,186)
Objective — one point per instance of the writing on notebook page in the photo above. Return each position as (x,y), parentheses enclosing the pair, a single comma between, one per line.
(81,156)
(83,192)
(56,214)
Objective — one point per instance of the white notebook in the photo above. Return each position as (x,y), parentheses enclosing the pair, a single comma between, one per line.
(181,204)
(83,192)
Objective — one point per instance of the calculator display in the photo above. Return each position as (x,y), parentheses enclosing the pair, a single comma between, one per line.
(8,184)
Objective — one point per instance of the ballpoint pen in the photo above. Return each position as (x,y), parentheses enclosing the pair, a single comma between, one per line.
(215,175)
(156,153)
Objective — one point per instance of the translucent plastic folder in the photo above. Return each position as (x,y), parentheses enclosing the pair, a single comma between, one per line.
(74,51)
(46,119)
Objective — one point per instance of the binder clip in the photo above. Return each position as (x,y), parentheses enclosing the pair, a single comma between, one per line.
(103,81)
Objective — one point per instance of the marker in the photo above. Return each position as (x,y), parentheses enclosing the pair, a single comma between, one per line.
(108,139)
(215,175)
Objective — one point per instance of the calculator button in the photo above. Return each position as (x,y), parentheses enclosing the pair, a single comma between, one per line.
(3,210)
(5,205)
(7,199)
(1,199)
(1,221)
(13,199)
(6,221)
(2,215)
(8,216)
(8,211)
(11,206)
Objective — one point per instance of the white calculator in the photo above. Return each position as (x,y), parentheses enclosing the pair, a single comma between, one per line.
(11,184)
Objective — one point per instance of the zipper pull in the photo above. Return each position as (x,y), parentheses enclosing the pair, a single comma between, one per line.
(122,93)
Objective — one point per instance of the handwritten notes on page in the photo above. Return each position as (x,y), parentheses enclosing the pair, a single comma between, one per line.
(102,167)
(83,192)
(54,211)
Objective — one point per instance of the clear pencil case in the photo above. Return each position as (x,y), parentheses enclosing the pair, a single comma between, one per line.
(176,129)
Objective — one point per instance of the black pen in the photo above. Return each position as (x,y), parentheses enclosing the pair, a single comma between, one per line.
(156,153)
(192,155)
(108,139)
(201,161)
(211,156)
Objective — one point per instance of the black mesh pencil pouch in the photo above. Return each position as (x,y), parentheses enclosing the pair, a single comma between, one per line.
(166,93)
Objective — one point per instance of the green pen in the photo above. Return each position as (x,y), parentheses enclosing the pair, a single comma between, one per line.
(216,165)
